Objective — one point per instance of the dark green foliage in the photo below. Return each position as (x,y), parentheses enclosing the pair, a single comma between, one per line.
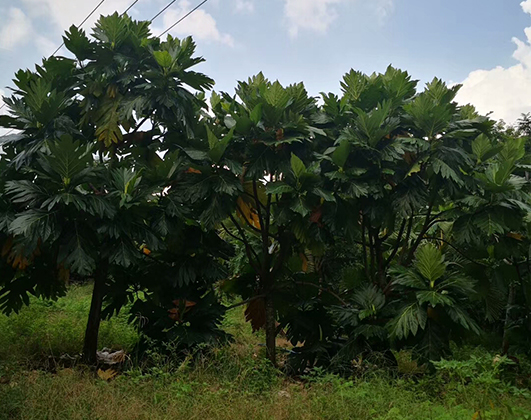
(385,218)
(87,193)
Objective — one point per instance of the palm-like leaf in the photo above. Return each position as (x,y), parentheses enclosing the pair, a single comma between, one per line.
(460,316)
(431,286)
(410,318)
(429,261)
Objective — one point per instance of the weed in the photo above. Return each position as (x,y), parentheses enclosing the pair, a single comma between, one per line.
(235,381)
(48,329)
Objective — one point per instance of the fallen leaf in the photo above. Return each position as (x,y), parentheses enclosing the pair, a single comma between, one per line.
(316,215)
(304,267)
(175,314)
(515,235)
(192,171)
(107,375)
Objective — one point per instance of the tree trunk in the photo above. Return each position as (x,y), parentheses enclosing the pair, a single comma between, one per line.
(90,346)
(371,249)
(420,237)
(381,274)
(270,329)
(510,303)
(405,246)
(364,245)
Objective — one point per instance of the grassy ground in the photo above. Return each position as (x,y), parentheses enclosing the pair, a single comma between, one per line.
(233,382)
(47,328)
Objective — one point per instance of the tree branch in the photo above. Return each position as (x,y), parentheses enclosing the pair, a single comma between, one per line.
(436,216)
(247,221)
(406,239)
(228,308)
(455,248)
(435,221)
(363,243)
(284,245)
(268,212)
(398,239)
(371,250)
(151,257)
(263,225)
(422,232)
(140,124)
(248,248)
(252,196)
(331,292)
(230,233)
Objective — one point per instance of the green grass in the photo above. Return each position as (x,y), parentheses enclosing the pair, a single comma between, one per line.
(48,328)
(230,382)
(74,394)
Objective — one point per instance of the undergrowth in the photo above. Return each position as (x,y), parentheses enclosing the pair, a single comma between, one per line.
(235,381)
(48,328)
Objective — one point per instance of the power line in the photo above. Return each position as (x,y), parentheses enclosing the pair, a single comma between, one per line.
(163,10)
(130,7)
(90,14)
(8,133)
(81,24)
(152,19)
(184,17)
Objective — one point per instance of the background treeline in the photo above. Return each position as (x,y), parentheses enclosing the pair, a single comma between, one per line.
(386,218)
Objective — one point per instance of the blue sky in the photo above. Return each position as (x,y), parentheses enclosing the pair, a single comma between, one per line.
(483,44)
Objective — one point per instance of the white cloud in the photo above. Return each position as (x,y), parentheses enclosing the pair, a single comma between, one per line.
(65,13)
(315,15)
(200,24)
(16,29)
(244,6)
(384,8)
(506,92)
(318,15)
(46,46)
(19,31)
(526,5)
(3,111)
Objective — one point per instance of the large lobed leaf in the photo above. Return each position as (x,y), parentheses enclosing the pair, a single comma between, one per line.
(430,263)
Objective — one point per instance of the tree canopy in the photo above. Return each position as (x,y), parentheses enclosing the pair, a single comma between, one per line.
(382,218)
